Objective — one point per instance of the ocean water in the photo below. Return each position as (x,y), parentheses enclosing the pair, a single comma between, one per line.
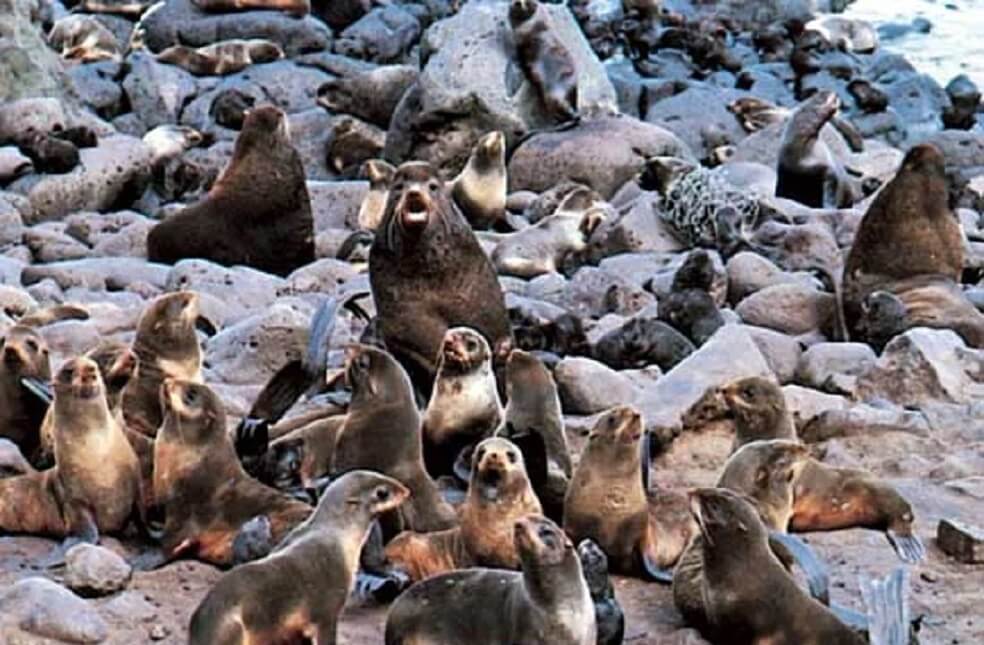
(954,46)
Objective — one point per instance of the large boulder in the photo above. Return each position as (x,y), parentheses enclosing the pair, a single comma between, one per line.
(28,66)
(47,610)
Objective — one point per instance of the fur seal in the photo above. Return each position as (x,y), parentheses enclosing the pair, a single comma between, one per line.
(642,341)
(499,494)
(371,96)
(758,407)
(48,153)
(381,432)
(479,190)
(221,58)
(297,8)
(84,38)
(910,244)
(549,602)
(642,532)
(201,486)
(167,347)
(689,307)
(464,406)
(257,213)
(609,617)
(229,108)
(24,356)
(298,591)
(548,244)
(807,172)
(544,59)
(429,273)
(373,206)
(95,483)
(868,98)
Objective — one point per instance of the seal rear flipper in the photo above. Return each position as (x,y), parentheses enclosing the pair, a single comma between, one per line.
(888,608)
(39,388)
(801,554)
(149,560)
(909,548)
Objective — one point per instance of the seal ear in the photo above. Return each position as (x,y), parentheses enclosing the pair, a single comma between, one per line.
(762,476)
(591,221)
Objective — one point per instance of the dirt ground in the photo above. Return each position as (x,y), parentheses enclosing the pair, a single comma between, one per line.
(157,605)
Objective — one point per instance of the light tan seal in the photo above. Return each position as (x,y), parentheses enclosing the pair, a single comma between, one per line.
(221,58)
(479,190)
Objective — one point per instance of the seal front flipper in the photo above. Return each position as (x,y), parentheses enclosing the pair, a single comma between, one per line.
(83,529)
(253,541)
(39,388)
(909,548)
(807,560)
(888,608)
(652,571)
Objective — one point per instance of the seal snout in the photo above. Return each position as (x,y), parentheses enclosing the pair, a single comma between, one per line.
(12,357)
(414,208)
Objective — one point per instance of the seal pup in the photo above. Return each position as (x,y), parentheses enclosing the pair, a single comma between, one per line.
(689,307)
(257,213)
(480,188)
(759,410)
(221,58)
(499,494)
(84,38)
(545,246)
(24,358)
(642,341)
(807,171)
(199,483)
(373,206)
(167,347)
(609,617)
(464,406)
(296,8)
(642,532)
(548,602)
(299,590)
(910,244)
(544,59)
(429,273)
(381,432)
(95,483)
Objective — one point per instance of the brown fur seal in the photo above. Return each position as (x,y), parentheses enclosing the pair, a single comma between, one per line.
(201,486)
(429,273)
(382,432)
(167,347)
(221,58)
(480,189)
(464,407)
(24,356)
(642,532)
(257,213)
(298,8)
(94,486)
(499,494)
(371,96)
(767,607)
(298,591)
(544,59)
(759,409)
(545,246)
(373,207)
(807,172)
(83,38)
(909,244)
(548,602)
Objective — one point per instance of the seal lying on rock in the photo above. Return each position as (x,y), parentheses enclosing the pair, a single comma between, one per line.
(225,57)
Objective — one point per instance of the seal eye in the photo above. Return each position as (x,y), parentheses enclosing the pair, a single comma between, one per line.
(511,456)
(471,345)
(398,187)
(612,421)
(433,187)
(382,494)
(190,396)
(748,393)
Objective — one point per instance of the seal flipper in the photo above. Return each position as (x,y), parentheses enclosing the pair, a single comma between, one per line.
(909,548)
(84,531)
(462,465)
(37,387)
(807,560)
(653,571)
(646,459)
(253,541)
(888,608)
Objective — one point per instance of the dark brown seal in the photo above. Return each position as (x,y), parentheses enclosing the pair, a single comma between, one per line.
(24,356)
(257,213)
(548,602)
(544,59)
(499,494)
(201,486)
(167,347)
(429,273)
(298,592)
(381,432)
(296,8)
(642,532)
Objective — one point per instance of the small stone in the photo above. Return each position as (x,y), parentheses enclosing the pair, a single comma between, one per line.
(159,632)
(961,541)
(95,571)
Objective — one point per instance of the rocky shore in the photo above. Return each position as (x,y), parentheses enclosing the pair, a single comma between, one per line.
(100,138)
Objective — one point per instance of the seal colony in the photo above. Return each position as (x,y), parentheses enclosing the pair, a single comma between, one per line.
(472,359)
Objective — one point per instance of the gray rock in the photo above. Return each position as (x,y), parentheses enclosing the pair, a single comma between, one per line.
(242,290)
(28,66)
(335,204)
(324,277)
(700,117)
(729,355)
(601,152)
(586,386)
(636,229)
(130,606)
(40,607)
(289,86)
(823,361)
(97,87)
(71,337)
(112,274)
(157,92)
(309,132)
(805,404)
(789,308)
(92,570)
(972,486)
(49,243)
(15,301)
(593,292)
(864,421)
(924,365)
(961,541)
(384,35)
(781,352)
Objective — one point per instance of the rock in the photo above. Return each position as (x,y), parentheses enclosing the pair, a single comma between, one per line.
(291,87)
(28,66)
(823,361)
(12,461)
(11,224)
(49,243)
(602,153)
(586,386)
(592,292)
(749,272)
(780,351)
(92,570)
(110,175)
(40,607)
(252,350)
(729,355)
(919,101)
(471,73)
(181,22)
(636,229)
(864,421)
(71,337)
(763,146)
(804,404)
(323,277)
(242,290)
(15,301)
(790,308)
(157,92)
(971,486)
(102,274)
(310,132)
(130,606)
(97,87)
(961,541)
(700,117)
(384,35)
(924,365)
(335,204)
